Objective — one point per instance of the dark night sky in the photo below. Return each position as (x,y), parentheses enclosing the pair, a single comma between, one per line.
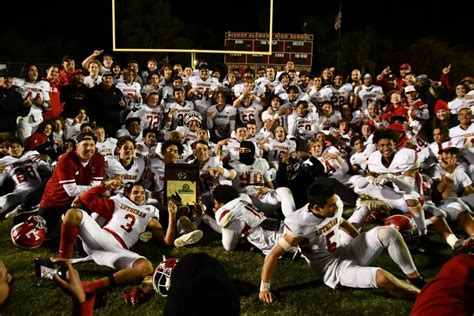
(89,21)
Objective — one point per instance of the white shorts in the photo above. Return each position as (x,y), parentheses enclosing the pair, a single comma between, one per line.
(103,248)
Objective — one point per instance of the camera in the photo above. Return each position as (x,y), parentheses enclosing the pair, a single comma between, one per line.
(46,269)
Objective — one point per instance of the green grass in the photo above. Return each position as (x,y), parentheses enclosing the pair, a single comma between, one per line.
(300,291)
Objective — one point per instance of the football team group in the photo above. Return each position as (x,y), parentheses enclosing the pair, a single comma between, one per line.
(329,168)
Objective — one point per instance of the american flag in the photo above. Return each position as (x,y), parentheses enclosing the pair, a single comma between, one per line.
(337,22)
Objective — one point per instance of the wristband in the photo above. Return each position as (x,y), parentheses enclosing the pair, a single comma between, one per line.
(241,97)
(448,175)
(264,287)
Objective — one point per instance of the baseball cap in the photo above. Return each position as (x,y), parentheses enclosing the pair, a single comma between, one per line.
(67,58)
(85,136)
(410,88)
(107,74)
(405,66)
(451,144)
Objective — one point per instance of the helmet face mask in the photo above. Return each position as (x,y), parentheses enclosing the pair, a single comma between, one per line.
(162,276)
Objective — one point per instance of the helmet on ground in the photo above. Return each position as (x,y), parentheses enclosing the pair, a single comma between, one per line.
(29,234)
(405,225)
(162,275)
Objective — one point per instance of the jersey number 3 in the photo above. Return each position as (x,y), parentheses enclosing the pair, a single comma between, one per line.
(130,221)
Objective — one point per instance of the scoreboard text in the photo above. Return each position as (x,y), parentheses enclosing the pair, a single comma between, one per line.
(285,47)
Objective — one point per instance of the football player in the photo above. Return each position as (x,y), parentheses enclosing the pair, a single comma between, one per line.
(23,169)
(127,217)
(239,218)
(323,236)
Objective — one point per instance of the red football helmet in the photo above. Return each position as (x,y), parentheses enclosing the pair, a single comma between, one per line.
(29,234)
(162,275)
(404,224)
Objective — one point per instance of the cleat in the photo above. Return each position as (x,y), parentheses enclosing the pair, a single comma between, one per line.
(419,282)
(186,224)
(188,239)
(464,245)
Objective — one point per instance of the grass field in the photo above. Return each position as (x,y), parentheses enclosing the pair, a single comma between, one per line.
(300,292)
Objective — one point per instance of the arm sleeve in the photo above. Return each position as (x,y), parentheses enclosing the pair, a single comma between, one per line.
(94,201)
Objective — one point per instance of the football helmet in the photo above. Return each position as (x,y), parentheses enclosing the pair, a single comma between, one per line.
(193,116)
(405,225)
(29,234)
(162,275)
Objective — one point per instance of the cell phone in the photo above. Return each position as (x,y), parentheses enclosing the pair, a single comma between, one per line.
(46,269)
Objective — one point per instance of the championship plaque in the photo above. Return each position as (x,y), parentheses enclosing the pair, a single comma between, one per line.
(181,183)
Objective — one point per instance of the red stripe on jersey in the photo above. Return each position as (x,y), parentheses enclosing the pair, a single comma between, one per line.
(223,214)
(119,239)
(287,227)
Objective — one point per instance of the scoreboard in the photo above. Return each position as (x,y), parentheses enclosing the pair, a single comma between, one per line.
(285,47)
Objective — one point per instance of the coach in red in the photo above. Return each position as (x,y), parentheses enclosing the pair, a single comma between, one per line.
(76,172)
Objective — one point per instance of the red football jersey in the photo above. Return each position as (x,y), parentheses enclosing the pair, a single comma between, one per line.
(70,170)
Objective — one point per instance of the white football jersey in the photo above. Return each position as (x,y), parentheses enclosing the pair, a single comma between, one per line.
(369,95)
(303,127)
(130,220)
(221,120)
(338,96)
(276,148)
(32,90)
(321,235)
(281,121)
(129,91)
(113,168)
(106,148)
(251,178)
(180,113)
(189,136)
(252,112)
(248,219)
(458,103)
(467,135)
(157,166)
(405,159)
(203,97)
(149,117)
(24,170)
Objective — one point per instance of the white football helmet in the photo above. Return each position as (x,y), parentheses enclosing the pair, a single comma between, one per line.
(162,275)
(193,116)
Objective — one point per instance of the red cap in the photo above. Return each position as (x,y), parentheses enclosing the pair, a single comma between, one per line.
(405,66)
(440,105)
